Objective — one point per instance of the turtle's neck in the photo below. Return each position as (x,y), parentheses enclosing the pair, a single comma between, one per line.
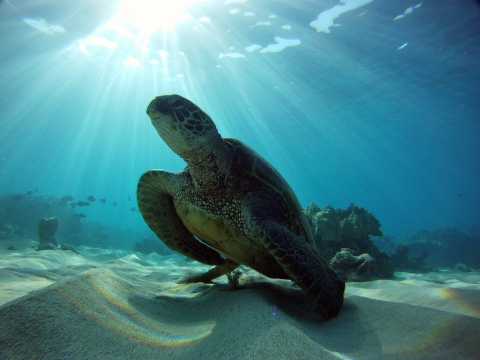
(209,164)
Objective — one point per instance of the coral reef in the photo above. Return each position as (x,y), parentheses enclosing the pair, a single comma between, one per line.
(462,267)
(353,268)
(150,244)
(446,247)
(19,214)
(385,243)
(401,260)
(8,231)
(46,233)
(337,224)
(442,247)
(334,229)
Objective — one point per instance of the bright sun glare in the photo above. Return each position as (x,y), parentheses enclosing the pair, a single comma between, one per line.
(153,14)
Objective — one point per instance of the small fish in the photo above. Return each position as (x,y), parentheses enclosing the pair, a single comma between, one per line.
(72,205)
(83,216)
(29,192)
(401,47)
(409,10)
(83,203)
(459,195)
(129,198)
(103,200)
(418,5)
(399,17)
(91,198)
(115,203)
(133,209)
(66,198)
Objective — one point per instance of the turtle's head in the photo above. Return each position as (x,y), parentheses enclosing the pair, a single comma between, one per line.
(181,124)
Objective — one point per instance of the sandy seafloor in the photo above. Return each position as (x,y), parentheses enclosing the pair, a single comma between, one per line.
(112,304)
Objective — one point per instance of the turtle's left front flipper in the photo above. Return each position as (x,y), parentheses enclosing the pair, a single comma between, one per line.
(304,266)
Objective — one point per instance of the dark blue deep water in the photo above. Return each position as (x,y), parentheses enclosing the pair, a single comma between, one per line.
(380,112)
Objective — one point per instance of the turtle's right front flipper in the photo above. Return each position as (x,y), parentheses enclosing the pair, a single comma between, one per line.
(156,206)
(304,266)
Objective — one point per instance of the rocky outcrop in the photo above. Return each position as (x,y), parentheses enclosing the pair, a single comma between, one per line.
(46,233)
(350,267)
(336,229)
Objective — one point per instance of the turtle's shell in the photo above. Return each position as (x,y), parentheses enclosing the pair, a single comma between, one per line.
(220,219)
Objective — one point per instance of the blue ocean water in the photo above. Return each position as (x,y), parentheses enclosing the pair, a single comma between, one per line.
(371,110)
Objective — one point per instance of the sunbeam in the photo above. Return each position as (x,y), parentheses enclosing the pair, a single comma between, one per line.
(151,14)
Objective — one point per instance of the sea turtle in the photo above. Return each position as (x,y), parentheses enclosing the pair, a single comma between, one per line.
(235,202)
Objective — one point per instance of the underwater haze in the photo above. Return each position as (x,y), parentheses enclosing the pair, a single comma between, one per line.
(374,103)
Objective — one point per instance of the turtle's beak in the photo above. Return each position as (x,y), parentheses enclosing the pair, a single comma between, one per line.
(153,114)
(156,107)
(164,121)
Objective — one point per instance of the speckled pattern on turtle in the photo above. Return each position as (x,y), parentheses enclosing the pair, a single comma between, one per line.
(235,202)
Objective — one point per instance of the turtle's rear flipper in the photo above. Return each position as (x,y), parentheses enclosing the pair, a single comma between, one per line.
(211,274)
(305,267)
(156,207)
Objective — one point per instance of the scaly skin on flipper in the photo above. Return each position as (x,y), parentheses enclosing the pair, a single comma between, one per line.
(235,202)
(157,208)
(305,267)
(296,256)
